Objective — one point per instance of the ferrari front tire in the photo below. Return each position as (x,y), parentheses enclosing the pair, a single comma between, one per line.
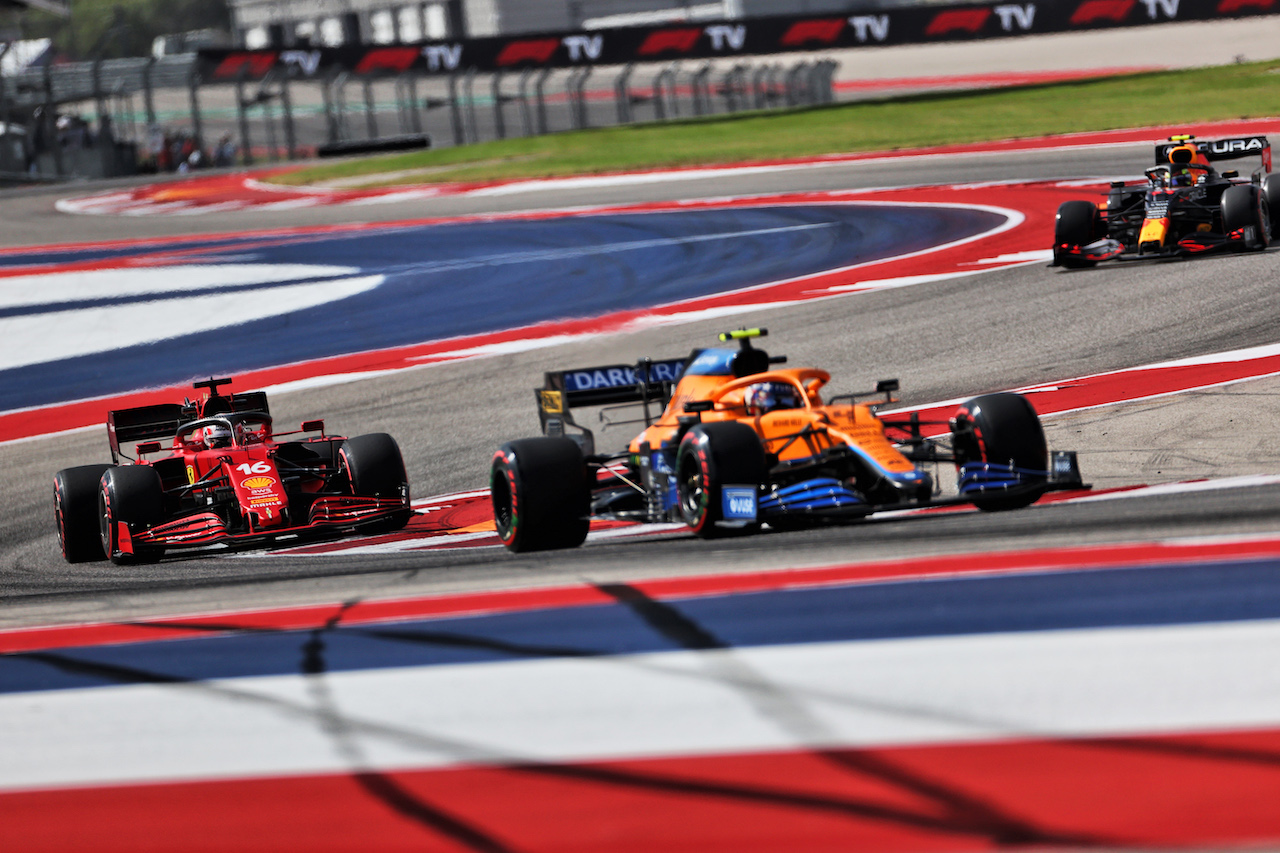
(375,469)
(541,493)
(129,497)
(75,511)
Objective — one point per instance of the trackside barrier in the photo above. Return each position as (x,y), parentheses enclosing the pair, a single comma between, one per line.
(728,39)
(243,106)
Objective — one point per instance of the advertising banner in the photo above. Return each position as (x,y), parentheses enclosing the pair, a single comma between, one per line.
(715,40)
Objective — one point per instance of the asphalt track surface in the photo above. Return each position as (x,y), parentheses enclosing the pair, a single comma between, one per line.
(943,340)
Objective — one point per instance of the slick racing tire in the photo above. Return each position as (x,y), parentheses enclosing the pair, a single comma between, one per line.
(375,469)
(710,457)
(1003,429)
(1244,205)
(131,495)
(1271,195)
(75,509)
(1076,225)
(541,493)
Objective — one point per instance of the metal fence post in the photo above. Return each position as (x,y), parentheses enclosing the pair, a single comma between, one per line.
(538,89)
(701,91)
(659,104)
(148,93)
(243,115)
(370,109)
(455,112)
(622,94)
(574,91)
(268,120)
(469,96)
(673,88)
(495,91)
(407,103)
(526,116)
(193,94)
(330,108)
(49,118)
(286,113)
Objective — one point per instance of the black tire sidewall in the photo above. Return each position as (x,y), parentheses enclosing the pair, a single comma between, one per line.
(719,454)
(1007,431)
(1076,223)
(541,493)
(134,495)
(1271,194)
(374,466)
(75,510)
(1242,206)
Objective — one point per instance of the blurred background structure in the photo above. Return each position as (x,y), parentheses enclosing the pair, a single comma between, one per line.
(110,87)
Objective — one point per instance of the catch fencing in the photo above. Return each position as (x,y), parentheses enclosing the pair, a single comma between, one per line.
(229,106)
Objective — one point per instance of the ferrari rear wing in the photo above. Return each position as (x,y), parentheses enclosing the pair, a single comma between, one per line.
(645,382)
(144,423)
(1232,148)
(163,420)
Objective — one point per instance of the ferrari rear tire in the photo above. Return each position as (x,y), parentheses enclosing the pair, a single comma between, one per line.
(375,469)
(129,495)
(710,457)
(541,493)
(75,510)
(1242,206)
(1077,224)
(1003,429)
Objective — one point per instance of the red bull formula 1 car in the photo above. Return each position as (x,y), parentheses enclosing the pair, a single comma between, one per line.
(1184,207)
(741,442)
(224,478)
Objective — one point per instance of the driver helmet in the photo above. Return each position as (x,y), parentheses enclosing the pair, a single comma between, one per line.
(216,435)
(769,396)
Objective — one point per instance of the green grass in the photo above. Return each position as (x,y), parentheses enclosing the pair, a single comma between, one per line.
(1163,98)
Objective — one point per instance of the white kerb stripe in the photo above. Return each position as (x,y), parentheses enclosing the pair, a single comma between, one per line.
(991,687)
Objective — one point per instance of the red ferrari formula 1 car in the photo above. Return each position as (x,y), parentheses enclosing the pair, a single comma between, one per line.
(226,478)
(741,442)
(1184,207)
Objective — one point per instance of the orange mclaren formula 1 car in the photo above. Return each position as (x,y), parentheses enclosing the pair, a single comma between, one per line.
(225,478)
(741,442)
(1184,207)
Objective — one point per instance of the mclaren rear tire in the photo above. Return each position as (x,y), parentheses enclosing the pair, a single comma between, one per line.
(75,510)
(130,499)
(541,493)
(1003,429)
(710,457)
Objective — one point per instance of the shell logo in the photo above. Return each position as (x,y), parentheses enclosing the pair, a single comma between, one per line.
(257,482)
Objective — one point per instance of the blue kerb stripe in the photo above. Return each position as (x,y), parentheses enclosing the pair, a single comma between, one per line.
(1206,592)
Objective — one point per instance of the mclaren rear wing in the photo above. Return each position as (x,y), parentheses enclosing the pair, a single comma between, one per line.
(648,381)
(1232,148)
